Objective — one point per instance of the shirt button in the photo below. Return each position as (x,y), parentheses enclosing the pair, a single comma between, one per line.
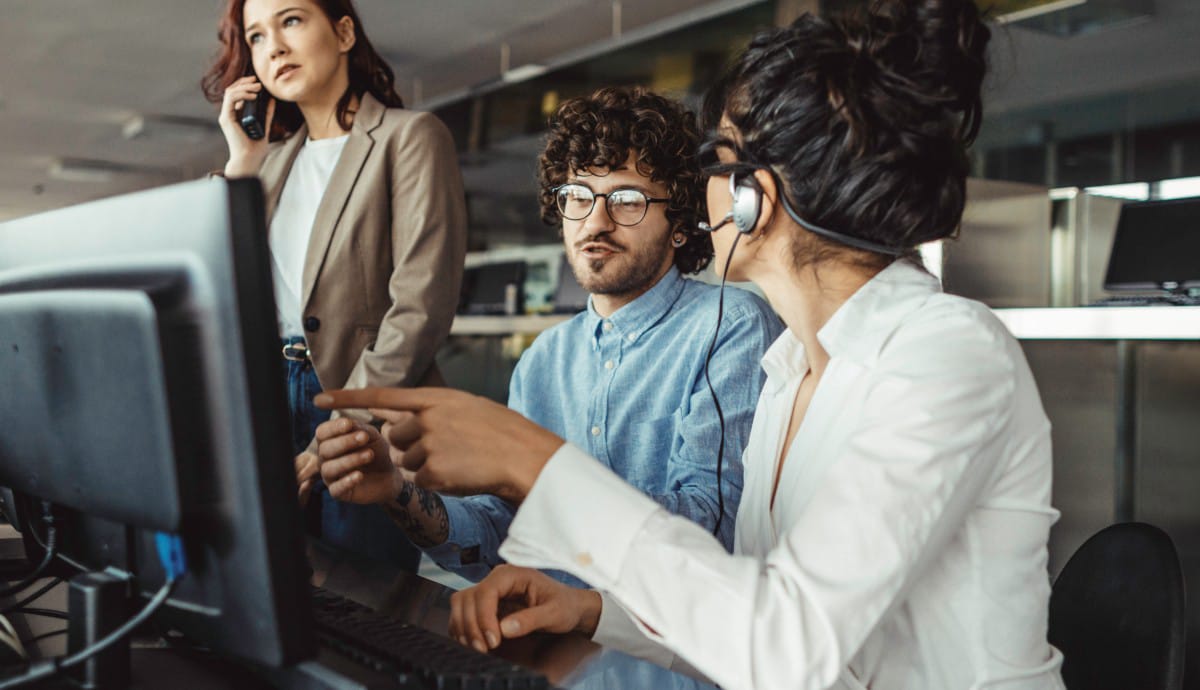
(583,559)
(608,364)
(595,431)
(632,337)
(608,325)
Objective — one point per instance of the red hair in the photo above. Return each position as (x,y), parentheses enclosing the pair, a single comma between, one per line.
(369,72)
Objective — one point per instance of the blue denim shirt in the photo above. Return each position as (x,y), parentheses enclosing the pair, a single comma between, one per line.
(630,390)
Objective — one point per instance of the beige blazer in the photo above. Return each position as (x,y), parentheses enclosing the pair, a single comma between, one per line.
(385,260)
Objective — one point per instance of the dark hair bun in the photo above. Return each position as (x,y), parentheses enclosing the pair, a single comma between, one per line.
(864,116)
(923,55)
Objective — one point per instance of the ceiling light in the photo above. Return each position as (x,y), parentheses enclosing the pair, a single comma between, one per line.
(95,171)
(1015,11)
(170,127)
(523,73)
(1067,18)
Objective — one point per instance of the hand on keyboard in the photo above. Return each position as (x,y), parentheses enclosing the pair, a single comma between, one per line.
(415,655)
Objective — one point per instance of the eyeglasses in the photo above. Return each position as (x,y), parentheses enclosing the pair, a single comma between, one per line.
(624,206)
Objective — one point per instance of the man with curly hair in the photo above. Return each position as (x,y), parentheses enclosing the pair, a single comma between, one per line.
(625,379)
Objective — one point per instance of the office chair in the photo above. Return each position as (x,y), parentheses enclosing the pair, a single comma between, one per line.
(1117,612)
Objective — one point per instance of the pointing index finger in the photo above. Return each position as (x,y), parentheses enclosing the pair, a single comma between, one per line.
(407,399)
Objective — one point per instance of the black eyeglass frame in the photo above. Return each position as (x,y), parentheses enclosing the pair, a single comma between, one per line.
(607,210)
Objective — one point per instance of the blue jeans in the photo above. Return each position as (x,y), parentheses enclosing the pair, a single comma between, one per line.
(364,530)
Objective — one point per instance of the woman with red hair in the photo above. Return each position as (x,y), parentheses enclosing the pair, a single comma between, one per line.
(366,215)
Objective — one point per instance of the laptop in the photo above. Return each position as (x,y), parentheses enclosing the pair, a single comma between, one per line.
(1156,250)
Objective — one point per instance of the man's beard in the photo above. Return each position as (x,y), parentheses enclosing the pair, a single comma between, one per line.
(620,274)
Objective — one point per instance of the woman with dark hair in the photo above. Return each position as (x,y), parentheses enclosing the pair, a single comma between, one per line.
(893,525)
(366,213)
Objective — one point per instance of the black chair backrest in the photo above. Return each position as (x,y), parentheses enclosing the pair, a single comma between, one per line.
(1117,612)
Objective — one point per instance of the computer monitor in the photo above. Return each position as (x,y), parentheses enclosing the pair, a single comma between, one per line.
(1156,247)
(143,392)
(569,295)
(493,289)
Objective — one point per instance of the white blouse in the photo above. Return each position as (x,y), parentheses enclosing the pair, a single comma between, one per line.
(291,227)
(907,545)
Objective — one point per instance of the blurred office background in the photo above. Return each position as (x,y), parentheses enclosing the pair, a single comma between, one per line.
(1089,102)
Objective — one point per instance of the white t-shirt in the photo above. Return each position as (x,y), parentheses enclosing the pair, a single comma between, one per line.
(292,226)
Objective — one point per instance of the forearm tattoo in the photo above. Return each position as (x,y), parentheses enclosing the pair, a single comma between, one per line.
(424,519)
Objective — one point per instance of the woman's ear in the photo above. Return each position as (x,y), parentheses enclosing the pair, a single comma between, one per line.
(345,33)
(770,193)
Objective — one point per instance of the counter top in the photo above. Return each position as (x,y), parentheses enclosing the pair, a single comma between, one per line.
(1043,323)
(505,325)
(1103,323)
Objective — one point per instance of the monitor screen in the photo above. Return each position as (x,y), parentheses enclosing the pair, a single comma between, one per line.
(495,288)
(1156,247)
(569,296)
(144,392)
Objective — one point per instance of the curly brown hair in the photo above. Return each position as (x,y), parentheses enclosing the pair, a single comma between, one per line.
(600,130)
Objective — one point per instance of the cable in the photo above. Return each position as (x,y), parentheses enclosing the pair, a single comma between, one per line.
(38,638)
(720,415)
(33,597)
(51,549)
(47,613)
(61,556)
(46,668)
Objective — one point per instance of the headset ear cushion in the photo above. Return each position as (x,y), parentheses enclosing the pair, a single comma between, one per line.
(747,202)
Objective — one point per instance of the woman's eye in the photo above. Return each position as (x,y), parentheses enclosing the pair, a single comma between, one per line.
(291,21)
(253,38)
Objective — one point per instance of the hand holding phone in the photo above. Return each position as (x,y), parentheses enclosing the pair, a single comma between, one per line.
(254,116)
(254,113)
(245,119)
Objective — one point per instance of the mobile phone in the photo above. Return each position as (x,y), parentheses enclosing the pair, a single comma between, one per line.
(254,113)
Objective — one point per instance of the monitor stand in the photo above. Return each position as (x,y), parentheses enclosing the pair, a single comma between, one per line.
(97,604)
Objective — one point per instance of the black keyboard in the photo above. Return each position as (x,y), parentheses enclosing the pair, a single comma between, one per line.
(416,656)
(1148,301)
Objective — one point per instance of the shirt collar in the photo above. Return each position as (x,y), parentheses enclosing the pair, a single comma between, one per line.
(861,326)
(785,360)
(864,323)
(633,319)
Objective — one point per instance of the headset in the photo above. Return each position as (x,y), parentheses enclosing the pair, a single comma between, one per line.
(747,204)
